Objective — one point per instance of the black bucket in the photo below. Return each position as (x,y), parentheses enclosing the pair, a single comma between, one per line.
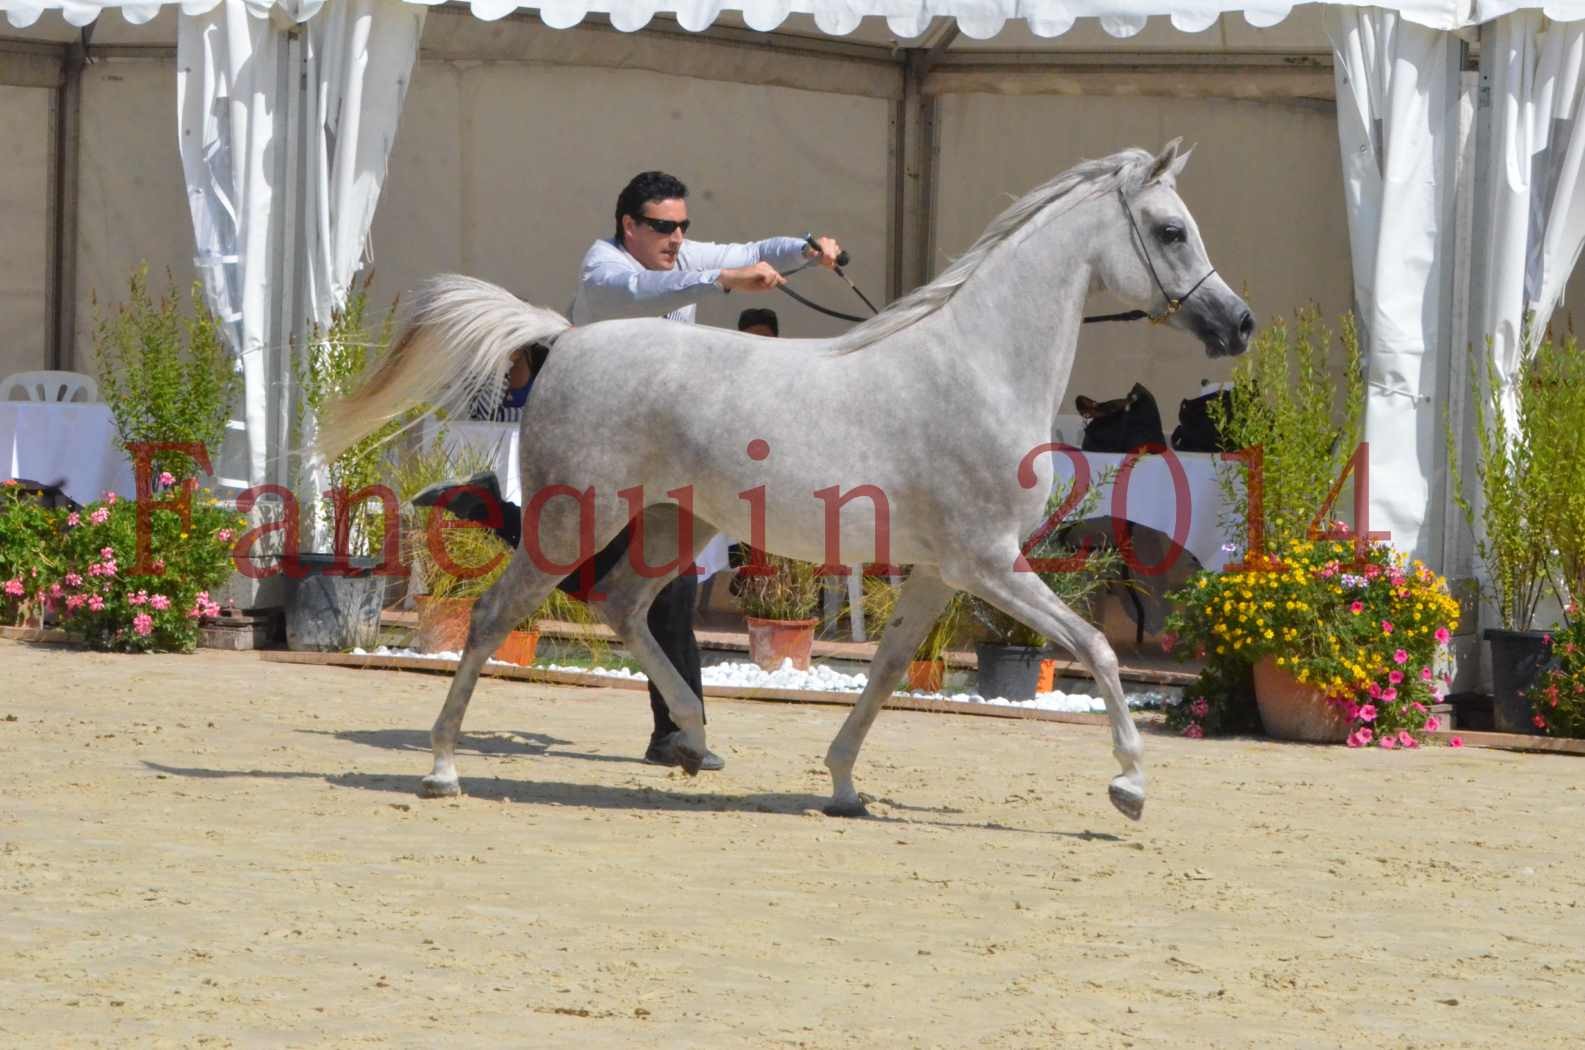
(1008,671)
(1517,660)
(331,608)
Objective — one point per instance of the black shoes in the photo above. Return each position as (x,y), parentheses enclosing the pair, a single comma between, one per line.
(664,752)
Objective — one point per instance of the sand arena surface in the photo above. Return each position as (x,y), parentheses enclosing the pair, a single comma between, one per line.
(216,851)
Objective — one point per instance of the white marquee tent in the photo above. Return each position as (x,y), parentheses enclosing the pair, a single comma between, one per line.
(1465,210)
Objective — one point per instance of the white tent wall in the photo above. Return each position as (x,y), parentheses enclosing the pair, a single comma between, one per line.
(26,114)
(502,171)
(1263,185)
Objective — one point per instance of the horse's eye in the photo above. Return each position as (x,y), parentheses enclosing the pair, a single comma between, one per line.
(1171,233)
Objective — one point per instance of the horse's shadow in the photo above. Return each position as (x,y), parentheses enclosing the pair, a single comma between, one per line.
(607,796)
(505,742)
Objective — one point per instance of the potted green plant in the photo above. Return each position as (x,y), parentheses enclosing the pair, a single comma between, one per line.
(780,608)
(166,377)
(336,590)
(928,668)
(1528,507)
(1301,403)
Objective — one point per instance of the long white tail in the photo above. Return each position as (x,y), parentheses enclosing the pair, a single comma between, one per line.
(454,344)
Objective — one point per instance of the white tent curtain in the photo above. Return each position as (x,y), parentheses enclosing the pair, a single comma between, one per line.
(1536,195)
(1397,96)
(255,187)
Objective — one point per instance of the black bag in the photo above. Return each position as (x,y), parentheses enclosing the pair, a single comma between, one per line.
(1122,424)
(1196,431)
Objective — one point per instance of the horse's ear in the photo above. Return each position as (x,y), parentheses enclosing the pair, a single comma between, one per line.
(1170,162)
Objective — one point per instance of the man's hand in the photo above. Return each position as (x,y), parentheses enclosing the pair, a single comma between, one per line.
(827,256)
(761,277)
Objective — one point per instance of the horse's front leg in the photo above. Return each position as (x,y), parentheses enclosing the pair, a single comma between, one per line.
(516,594)
(1026,598)
(921,601)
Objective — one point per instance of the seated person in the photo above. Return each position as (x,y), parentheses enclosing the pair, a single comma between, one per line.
(759,321)
(506,405)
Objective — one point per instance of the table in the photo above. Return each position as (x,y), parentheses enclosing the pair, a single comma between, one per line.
(71,444)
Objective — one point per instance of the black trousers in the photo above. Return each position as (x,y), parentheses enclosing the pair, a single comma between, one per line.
(670,616)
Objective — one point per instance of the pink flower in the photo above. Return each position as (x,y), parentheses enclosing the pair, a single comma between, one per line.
(159,565)
(1406,739)
(224,535)
(1457,741)
(55,590)
(1367,713)
(107,568)
(1374,691)
(74,519)
(1365,734)
(1395,676)
(143,623)
(1432,724)
(1386,627)
(95,569)
(1193,731)
(1546,639)
(95,603)
(167,478)
(14,587)
(1400,657)
(1199,709)
(1540,723)
(1389,694)
(1354,740)
(1387,742)
(159,601)
(1418,706)
(1351,711)
(100,516)
(73,602)
(73,580)
(1425,674)
(1443,635)
(107,553)
(1356,608)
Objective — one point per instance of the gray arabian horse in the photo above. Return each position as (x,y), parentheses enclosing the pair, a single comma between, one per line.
(934,410)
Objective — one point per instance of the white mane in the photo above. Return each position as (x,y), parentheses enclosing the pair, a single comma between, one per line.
(1126,170)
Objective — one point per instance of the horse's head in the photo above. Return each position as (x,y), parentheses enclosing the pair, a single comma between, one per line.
(1158,261)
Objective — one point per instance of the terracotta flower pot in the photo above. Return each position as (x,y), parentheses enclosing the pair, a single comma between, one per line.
(1048,677)
(926,676)
(519,647)
(1292,710)
(772,641)
(442,624)
(443,627)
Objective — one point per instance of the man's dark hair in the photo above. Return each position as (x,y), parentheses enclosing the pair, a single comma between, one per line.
(758,315)
(646,186)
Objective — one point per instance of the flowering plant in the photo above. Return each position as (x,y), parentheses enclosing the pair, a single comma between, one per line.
(100,596)
(1558,698)
(1371,633)
(29,534)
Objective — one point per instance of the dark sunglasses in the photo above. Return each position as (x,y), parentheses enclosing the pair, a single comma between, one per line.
(664,227)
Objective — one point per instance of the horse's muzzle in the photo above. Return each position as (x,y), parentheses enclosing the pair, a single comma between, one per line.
(1225,332)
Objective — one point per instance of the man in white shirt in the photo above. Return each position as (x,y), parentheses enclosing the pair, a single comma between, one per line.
(649,269)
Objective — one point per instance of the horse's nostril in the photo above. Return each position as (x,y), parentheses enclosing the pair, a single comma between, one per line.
(1246,325)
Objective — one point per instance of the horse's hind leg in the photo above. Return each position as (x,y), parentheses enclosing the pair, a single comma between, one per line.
(923,597)
(516,594)
(628,595)
(1023,596)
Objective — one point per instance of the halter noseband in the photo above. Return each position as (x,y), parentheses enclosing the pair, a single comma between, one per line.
(1174,304)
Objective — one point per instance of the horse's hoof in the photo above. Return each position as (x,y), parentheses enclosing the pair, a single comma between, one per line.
(846,808)
(1129,800)
(439,787)
(690,760)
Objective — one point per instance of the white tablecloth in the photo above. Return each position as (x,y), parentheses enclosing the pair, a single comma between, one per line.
(75,443)
(1153,502)
(497,442)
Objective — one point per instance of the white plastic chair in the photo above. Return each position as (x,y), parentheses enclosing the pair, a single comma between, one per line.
(50,386)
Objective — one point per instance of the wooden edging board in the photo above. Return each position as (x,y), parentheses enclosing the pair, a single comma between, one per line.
(804,696)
